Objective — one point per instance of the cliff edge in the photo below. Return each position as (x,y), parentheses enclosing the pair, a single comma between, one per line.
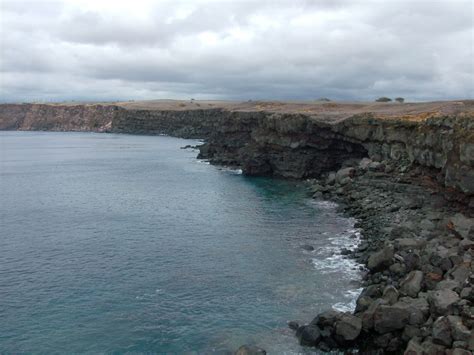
(287,139)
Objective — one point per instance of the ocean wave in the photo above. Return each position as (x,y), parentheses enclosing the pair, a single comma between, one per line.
(329,260)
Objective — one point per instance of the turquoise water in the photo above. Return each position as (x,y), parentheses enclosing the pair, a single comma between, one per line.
(119,243)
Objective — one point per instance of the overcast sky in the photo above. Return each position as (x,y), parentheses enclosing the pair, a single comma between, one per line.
(341,49)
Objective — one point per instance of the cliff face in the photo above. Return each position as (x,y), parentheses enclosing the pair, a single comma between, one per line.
(300,146)
(38,117)
(296,144)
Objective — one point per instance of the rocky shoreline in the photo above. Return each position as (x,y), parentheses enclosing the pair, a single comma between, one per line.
(405,171)
(418,246)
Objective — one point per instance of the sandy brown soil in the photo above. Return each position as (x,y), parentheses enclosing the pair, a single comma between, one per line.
(334,110)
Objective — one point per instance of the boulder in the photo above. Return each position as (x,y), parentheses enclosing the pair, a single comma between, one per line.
(411,285)
(368,315)
(327,318)
(331,179)
(468,293)
(307,247)
(308,335)
(430,348)
(381,259)
(293,325)
(466,244)
(345,175)
(459,351)
(441,332)
(390,294)
(418,309)
(413,348)
(447,285)
(390,318)
(376,166)
(459,331)
(348,327)
(250,350)
(460,273)
(364,163)
(442,301)
(412,261)
(409,243)
(462,224)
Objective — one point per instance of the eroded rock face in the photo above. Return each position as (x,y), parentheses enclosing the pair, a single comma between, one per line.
(294,145)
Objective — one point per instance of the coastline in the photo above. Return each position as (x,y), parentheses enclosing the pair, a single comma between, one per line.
(417,249)
(406,175)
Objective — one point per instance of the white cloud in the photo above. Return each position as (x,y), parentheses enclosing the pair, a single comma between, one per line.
(355,50)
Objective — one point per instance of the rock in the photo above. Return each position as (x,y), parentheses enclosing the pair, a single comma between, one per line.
(411,285)
(459,344)
(348,327)
(410,332)
(390,318)
(307,247)
(460,273)
(447,285)
(470,343)
(412,261)
(293,325)
(364,163)
(327,318)
(368,315)
(413,348)
(381,259)
(398,269)
(430,348)
(409,243)
(418,309)
(466,244)
(462,224)
(390,294)
(250,350)
(442,301)
(441,332)
(331,179)
(459,351)
(345,251)
(468,293)
(459,331)
(308,335)
(376,166)
(344,175)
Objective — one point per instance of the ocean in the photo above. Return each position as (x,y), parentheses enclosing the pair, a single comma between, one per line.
(123,243)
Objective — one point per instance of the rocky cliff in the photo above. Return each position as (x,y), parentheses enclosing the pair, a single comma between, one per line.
(404,171)
(288,140)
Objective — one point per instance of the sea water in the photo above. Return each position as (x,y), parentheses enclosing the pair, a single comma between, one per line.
(121,243)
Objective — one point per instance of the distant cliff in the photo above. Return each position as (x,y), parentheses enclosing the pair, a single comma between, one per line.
(288,141)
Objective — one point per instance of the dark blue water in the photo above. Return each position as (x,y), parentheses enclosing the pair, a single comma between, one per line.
(118,243)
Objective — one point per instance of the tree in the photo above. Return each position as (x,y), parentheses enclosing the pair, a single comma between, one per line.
(400,99)
(383,99)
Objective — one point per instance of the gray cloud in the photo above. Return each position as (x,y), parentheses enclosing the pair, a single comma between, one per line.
(348,50)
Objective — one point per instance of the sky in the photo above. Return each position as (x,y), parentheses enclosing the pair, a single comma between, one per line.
(98,50)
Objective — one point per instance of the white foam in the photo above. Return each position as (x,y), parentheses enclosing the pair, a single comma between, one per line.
(350,305)
(329,260)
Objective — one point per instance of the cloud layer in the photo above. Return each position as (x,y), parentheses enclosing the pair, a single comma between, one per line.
(346,50)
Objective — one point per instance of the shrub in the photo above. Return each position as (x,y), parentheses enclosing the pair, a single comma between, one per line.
(383,99)
(400,99)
